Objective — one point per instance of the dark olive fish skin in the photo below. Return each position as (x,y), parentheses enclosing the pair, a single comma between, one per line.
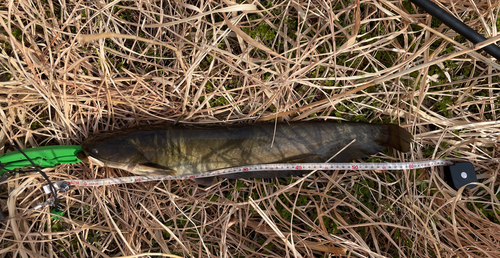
(188,150)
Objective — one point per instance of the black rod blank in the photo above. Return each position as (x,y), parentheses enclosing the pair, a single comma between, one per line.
(456,25)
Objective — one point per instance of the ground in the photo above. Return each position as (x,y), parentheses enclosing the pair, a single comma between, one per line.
(71,69)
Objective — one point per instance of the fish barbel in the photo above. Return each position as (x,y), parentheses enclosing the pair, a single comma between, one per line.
(192,149)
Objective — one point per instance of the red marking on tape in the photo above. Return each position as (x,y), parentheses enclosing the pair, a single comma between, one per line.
(85,183)
(245,169)
(138,180)
(298,167)
(191,176)
(355,167)
(326,167)
(410,166)
(383,167)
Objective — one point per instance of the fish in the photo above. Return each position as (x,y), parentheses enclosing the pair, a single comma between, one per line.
(180,149)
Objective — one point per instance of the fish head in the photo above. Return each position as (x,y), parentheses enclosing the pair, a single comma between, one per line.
(116,152)
(121,151)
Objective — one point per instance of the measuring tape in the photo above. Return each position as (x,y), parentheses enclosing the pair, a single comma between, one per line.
(64,185)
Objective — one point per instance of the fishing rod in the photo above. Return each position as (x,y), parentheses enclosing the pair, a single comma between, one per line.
(457,25)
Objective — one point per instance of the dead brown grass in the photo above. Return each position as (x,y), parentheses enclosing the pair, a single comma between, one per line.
(62,79)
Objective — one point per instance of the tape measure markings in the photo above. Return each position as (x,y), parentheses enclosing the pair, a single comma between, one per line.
(264,167)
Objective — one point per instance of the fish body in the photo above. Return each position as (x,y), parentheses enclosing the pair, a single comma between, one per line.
(189,150)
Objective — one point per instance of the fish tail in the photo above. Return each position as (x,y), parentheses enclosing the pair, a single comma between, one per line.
(395,137)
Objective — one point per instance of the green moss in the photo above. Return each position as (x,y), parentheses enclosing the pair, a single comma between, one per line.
(18,33)
(445,145)
(330,225)
(58,227)
(239,184)
(443,104)
(408,7)
(262,31)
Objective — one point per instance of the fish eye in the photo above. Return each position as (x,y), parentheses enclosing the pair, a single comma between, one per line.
(95,151)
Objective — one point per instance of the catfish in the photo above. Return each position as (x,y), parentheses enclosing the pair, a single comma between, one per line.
(192,149)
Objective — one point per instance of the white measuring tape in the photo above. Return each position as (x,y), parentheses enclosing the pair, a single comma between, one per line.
(63,185)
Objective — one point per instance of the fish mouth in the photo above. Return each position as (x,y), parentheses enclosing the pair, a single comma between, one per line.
(83,157)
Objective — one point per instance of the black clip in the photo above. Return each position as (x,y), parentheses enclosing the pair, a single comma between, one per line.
(460,174)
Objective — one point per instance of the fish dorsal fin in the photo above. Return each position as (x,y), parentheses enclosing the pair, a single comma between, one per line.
(152,169)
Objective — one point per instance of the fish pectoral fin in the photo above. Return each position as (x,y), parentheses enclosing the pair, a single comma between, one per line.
(153,169)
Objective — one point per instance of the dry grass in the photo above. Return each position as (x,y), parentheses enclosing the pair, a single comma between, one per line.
(218,62)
